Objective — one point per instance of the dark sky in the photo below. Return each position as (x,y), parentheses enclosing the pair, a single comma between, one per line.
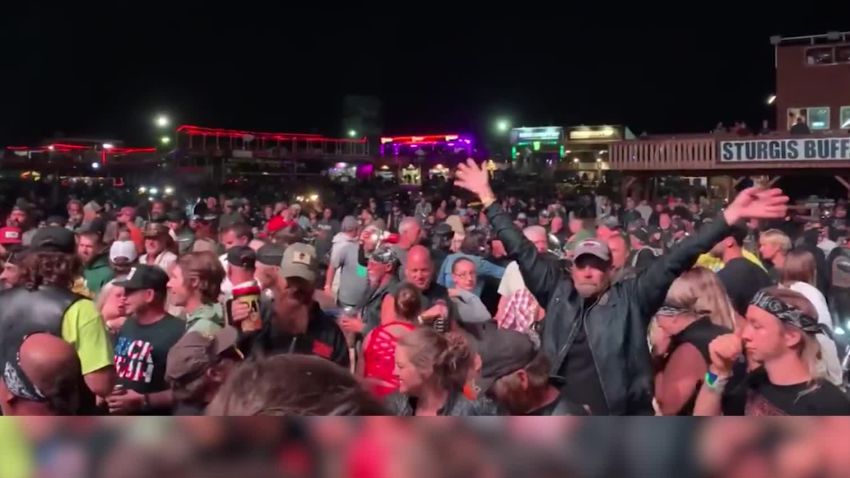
(105,72)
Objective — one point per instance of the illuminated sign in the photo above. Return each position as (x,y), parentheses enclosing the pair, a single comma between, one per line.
(546,134)
(598,133)
(821,149)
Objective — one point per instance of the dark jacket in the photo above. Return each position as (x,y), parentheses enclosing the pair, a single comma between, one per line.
(616,323)
(457,405)
(323,337)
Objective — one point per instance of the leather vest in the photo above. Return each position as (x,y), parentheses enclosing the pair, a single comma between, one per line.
(24,312)
(699,334)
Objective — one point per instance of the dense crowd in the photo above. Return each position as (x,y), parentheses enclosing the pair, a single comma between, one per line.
(456,303)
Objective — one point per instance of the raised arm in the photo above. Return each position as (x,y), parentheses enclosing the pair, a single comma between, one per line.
(753,203)
(541,276)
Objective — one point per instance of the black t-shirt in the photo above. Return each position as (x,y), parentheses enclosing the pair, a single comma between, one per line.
(742,280)
(583,386)
(562,406)
(141,352)
(756,396)
(323,337)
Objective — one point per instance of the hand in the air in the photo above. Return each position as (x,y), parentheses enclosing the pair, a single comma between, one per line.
(757,203)
(475,179)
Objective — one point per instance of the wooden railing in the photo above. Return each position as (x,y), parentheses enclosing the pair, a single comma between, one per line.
(665,154)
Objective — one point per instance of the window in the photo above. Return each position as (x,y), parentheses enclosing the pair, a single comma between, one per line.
(845,117)
(842,54)
(820,56)
(818,118)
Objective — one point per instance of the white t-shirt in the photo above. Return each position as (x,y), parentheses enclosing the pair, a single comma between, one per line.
(828,348)
(512,280)
(164,260)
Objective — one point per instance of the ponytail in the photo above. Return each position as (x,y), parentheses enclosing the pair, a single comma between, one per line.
(448,356)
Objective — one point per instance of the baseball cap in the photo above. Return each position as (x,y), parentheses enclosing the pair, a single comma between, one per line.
(502,353)
(594,248)
(611,222)
(443,229)
(93,206)
(521,216)
(175,216)
(276,224)
(641,234)
(10,235)
(270,255)
(16,254)
(54,239)
(123,249)
(195,352)
(349,223)
(144,277)
(96,225)
(299,260)
(241,256)
(155,229)
(58,221)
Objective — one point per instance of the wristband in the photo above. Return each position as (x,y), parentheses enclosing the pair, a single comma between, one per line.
(715,383)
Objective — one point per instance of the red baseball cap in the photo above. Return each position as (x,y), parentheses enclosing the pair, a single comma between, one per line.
(10,235)
(277,223)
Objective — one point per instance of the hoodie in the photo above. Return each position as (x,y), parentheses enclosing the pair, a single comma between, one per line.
(340,240)
(98,272)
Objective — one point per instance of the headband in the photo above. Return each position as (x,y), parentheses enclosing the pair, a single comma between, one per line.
(788,314)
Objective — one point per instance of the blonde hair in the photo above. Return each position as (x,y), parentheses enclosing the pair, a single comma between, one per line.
(808,349)
(777,238)
(447,356)
(700,291)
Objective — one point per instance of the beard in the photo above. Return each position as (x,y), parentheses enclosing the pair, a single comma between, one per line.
(588,290)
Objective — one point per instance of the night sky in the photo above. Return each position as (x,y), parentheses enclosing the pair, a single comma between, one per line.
(106,72)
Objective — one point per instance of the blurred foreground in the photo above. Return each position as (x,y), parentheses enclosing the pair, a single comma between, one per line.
(266,447)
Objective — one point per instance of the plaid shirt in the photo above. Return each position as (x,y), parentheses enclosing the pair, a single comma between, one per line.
(520,312)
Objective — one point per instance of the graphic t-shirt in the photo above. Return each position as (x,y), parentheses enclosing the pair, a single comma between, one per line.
(756,396)
(141,352)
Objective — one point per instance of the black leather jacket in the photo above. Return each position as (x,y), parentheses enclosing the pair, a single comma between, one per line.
(616,323)
(457,405)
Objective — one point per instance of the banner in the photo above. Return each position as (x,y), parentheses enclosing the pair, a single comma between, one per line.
(802,149)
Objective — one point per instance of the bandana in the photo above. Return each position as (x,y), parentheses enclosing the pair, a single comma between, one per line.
(384,255)
(789,314)
(19,386)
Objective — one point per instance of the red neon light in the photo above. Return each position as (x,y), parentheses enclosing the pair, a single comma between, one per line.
(238,134)
(130,150)
(68,146)
(201,130)
(421,139)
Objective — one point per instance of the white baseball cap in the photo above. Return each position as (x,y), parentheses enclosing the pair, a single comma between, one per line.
(123,249)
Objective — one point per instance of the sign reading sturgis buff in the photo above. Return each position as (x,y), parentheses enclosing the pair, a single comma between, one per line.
(802,149)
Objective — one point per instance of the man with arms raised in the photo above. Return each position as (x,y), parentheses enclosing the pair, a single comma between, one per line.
(595,332)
